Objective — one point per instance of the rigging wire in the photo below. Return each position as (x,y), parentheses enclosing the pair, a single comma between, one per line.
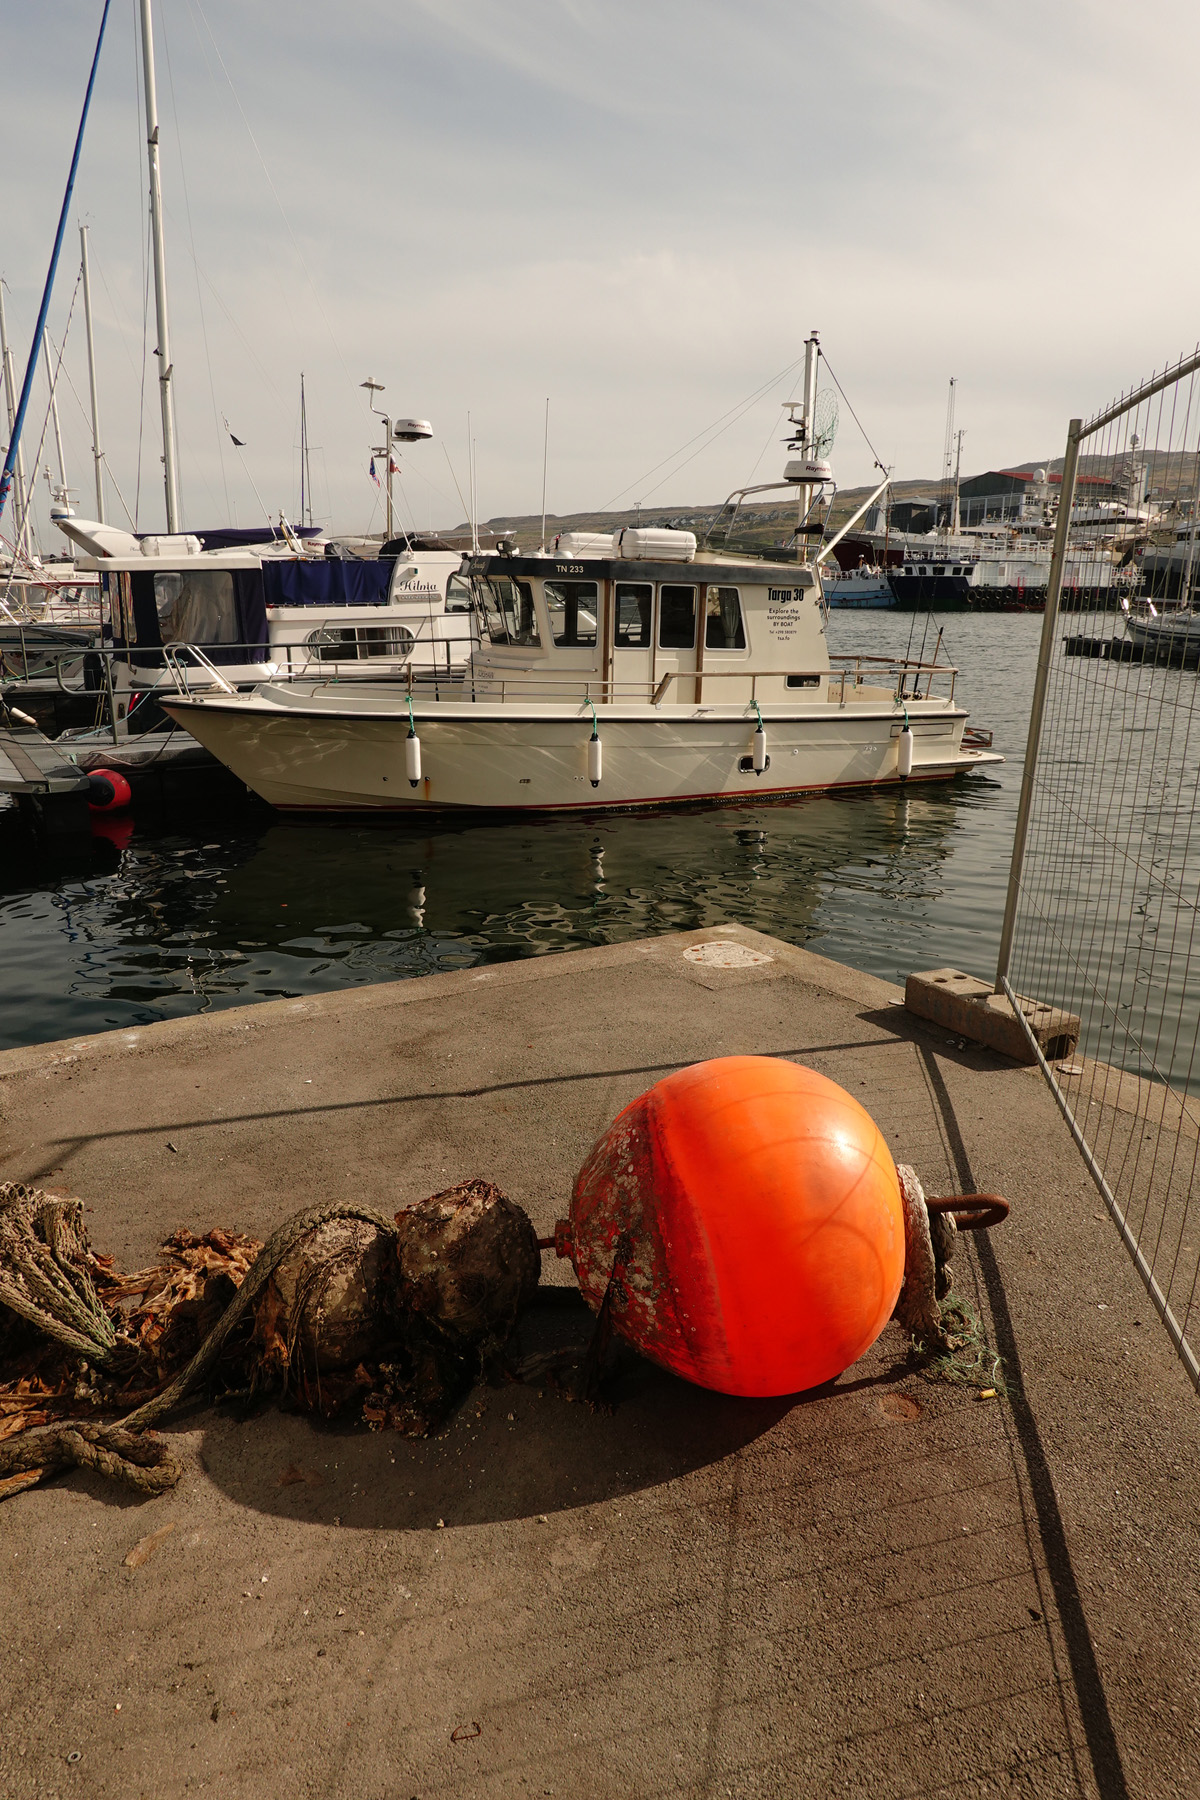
(879,464)
(716,428)
(37,461)
(187,207)
(86,417)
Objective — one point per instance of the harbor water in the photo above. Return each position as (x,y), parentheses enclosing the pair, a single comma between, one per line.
(164,917)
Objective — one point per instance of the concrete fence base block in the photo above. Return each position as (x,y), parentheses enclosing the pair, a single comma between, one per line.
(965,1005)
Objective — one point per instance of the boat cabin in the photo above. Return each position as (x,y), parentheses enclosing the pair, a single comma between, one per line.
(669,626)
(262,612)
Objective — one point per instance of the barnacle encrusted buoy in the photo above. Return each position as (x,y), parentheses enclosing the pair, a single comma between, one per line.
(753,1211)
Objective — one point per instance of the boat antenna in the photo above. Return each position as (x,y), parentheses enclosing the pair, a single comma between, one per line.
(545,455)
(163,350)
(6,475)
(97,453)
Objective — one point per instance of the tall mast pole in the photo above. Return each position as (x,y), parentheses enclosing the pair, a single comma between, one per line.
(942,525)
(812,354)
(163,352)
(305,472)
(52,379)
(10,402)
(391,511)
(955,516)
(97,453)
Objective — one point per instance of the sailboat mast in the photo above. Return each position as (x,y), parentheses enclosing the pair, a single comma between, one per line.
(97,453)
(305,471)
(163,352)
(10,402)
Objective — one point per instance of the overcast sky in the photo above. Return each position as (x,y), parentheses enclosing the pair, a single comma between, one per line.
(637,210)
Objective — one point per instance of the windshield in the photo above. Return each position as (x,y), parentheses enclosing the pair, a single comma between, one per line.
(196,606)
(506,610)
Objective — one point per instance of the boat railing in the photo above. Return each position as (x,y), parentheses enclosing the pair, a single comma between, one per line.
(908,678)
(178,659)
(903,670)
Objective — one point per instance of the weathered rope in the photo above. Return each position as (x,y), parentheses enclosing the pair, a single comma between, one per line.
(43,1272)
(118,1450)
(144,1463)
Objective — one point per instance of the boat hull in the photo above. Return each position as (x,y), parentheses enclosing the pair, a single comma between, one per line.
(474,758)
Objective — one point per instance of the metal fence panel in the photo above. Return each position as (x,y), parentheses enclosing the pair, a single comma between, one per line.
(1104,894)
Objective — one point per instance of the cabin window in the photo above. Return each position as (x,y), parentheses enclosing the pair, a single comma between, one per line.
(631,620)
(802,681)
(723,627)
(676,617)
(347,643)
(458,594)
(196,606)
(507,606)
(572,607)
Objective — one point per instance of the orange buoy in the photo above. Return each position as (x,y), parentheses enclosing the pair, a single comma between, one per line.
(108,791)
(753,1211)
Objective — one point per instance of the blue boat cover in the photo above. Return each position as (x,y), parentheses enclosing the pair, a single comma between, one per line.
(329,582)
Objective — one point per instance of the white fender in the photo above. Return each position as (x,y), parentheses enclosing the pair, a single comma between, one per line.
(904,753)
(595,760)
(412,758)
(760,750)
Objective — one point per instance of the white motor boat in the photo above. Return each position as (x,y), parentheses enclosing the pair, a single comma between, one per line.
(625,672)
(646,679)
(281,608)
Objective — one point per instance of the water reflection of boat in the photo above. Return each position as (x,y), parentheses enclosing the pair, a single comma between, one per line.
(447,893)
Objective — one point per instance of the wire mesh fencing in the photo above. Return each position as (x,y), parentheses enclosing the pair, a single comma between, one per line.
(1103,897)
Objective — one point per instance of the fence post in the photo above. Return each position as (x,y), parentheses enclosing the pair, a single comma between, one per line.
(1062,532)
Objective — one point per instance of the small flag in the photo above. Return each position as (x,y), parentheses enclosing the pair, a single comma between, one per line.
(374,476)
(393,466)
(240,442)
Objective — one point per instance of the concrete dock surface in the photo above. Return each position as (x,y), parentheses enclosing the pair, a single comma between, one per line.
(886,1587)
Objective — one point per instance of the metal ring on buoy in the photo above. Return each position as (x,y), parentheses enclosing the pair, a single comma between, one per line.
(971,1212)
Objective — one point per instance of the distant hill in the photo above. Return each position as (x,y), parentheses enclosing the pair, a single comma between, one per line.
(1173,475)
(769,522)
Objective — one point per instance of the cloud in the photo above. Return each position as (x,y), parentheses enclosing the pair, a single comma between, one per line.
(639,211)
